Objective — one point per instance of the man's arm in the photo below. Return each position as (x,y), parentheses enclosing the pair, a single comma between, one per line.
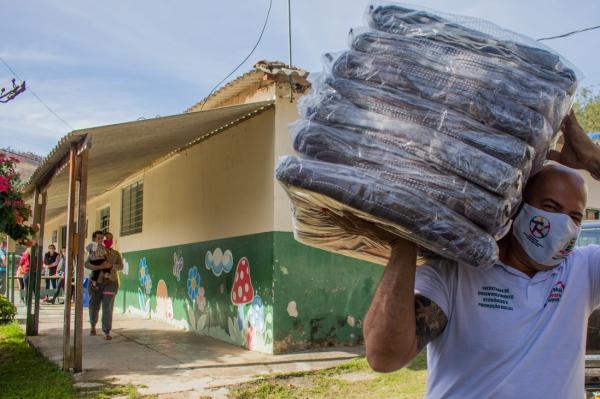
(399,324)
(578,151)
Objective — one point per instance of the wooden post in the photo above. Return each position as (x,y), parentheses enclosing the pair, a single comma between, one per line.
(39,263)
(29,291)
(81,226)
(70,252)
(14,278)
(29,322)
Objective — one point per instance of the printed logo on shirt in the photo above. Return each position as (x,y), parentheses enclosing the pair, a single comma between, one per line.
(539,226)
(555,293)
(495,298)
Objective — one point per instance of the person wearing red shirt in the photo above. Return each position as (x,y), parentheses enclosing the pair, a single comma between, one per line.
(24,264)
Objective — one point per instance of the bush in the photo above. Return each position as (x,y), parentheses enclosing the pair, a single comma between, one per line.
(8,311)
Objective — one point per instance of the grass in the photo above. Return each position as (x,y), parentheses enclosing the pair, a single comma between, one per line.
(352,379)
(25,374)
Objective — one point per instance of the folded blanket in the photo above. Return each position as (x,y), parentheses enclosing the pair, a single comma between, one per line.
(476,35)
(401,104)
(314,186)
(505,77)
(400,136)
(482,104)
(351,148)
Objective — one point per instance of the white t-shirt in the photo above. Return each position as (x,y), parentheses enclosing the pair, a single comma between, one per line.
(509,335)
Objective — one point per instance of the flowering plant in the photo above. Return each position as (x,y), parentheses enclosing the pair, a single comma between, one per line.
(14,212)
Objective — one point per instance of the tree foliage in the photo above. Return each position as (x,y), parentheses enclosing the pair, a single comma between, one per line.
(587,109)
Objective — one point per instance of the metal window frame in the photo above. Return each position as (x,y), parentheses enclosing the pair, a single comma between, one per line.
(132,208)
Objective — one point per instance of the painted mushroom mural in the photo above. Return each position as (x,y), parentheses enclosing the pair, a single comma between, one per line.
(242,291)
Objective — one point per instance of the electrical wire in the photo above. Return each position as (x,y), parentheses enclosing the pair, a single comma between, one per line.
(569,33)
(262,31)
(35,95)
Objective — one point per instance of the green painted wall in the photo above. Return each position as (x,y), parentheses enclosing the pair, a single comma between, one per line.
(303,297)
(320,297)
(190,286)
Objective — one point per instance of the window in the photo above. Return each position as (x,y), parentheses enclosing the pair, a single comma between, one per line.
(63,237)
(132,208)
(592,214)
(104,220)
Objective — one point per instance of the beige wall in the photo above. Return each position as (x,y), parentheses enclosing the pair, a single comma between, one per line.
(222,187)
(286,113)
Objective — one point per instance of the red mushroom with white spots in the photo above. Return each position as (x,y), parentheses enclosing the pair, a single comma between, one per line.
(242,291)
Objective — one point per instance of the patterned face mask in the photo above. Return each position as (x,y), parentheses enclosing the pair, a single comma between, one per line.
(546,237)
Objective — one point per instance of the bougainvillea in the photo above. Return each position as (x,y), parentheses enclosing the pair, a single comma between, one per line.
(14,212)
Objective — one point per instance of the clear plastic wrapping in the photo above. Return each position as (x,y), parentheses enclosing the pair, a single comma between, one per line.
(351,148)
(315,186)
(480,103)
(400,136)
(428,127)
(504,77)
(476,36)
(402,105)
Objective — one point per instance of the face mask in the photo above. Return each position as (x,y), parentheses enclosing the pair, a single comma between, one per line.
(546,237)
(107,243)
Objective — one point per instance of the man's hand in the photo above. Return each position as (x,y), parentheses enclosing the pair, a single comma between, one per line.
(355,225)
(578,152)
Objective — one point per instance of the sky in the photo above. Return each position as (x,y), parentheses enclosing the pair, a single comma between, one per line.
(101,62)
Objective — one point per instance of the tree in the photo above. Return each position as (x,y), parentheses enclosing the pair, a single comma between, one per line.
(587,109)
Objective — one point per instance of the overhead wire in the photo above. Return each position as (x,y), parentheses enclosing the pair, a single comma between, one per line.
(35,95)
(568,33)
(262,31)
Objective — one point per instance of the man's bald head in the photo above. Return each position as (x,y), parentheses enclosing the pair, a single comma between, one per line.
(557,188)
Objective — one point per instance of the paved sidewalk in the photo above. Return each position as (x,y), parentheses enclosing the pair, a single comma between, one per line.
(172,363)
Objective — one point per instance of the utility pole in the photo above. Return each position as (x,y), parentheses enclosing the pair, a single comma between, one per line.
(6,96)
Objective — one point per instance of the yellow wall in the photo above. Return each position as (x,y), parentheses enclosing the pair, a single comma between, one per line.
(286,113)
(222,187)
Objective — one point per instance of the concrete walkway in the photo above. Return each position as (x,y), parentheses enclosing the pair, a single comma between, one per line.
(169,362)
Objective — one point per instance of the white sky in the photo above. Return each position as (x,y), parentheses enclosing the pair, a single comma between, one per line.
(102,62)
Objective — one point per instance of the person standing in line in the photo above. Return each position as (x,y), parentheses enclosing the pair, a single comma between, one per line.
(104,286)
(24,264)
(51,261)
(3,266)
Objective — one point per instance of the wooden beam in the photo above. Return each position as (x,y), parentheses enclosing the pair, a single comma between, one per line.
(84,143)
(40,261)
(81,226)
(73,173)
(31,280)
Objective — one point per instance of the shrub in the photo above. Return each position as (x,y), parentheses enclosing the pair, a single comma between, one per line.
(8,311)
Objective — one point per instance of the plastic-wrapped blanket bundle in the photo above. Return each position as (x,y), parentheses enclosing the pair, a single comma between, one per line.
(428,126)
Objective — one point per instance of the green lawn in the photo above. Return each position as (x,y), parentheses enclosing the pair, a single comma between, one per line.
(353,379)
(25,374)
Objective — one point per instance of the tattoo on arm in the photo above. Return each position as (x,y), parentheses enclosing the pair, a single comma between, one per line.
(430,319)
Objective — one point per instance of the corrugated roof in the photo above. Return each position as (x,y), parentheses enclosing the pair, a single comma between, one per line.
(121,150)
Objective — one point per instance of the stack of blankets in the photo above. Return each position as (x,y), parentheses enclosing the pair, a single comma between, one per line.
(428,126)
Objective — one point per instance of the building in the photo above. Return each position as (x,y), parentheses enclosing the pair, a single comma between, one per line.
(204,227)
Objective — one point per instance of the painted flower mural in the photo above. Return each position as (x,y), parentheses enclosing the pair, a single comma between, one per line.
(125,270)
(146,286)
(256,315)
(177,265)
(143,271)
(201,300)
(193,283)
